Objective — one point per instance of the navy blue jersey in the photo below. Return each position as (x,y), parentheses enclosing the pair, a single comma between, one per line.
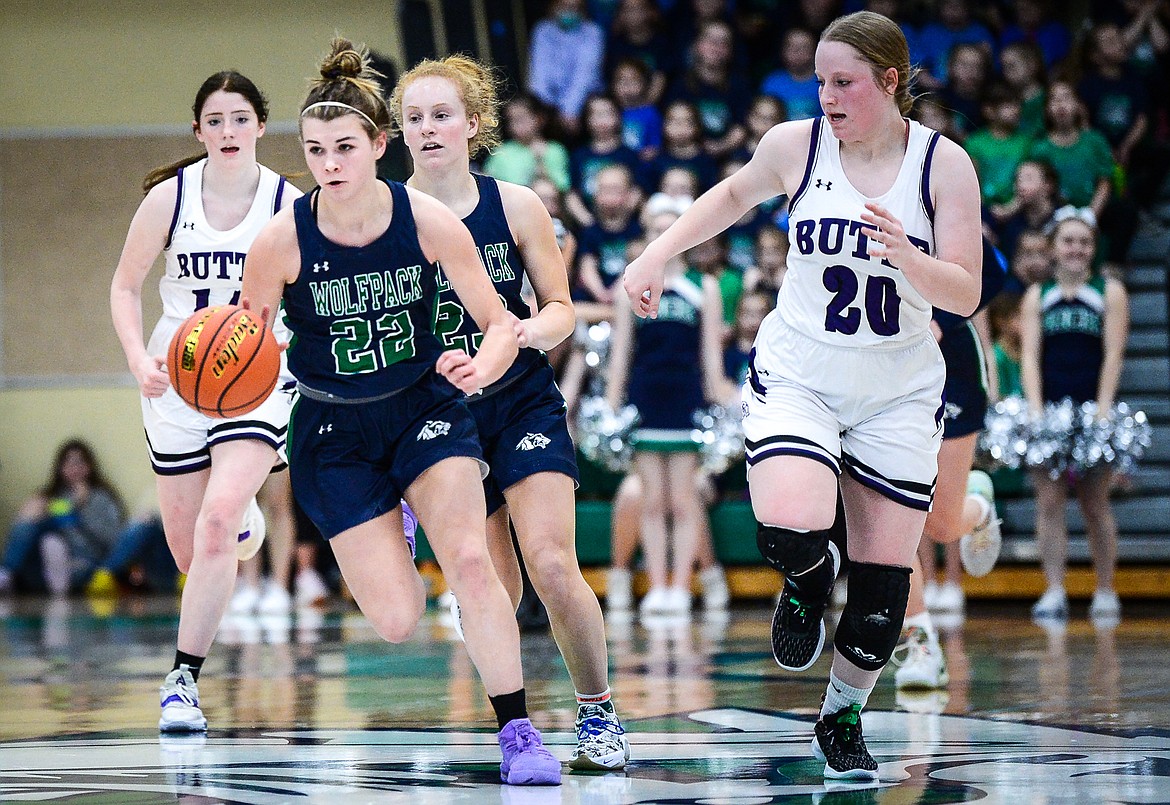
(585,162)
(609,247)
(735,363)
(666,383)
(504,264)
(1072,347)
(702,166)
(361,316)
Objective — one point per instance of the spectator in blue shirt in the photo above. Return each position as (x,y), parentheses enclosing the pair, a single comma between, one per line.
(638,32)
(641,120)
(603,127)
(602,245)
(565,58)
(953,26)
(719,91)
(1032,24)
(682,145)
(796,82)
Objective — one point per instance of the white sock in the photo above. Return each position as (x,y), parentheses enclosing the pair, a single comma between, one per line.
(984,508)
(838,695)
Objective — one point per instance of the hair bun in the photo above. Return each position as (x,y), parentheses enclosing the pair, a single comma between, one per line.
(344,62)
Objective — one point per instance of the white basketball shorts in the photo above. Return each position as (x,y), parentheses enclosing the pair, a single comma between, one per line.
(876,413)
(179,438)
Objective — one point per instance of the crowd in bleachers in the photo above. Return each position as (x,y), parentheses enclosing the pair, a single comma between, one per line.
(635,107)
(632,103)
(628,99)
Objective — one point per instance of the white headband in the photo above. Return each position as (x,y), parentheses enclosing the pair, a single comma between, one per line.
(340,105)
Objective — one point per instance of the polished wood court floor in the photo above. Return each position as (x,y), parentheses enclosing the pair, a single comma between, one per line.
(313,708)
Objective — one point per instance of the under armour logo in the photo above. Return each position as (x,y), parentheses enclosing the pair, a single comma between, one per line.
(320,266)
(325,429)
(533,441)
(827,185)
(188,225)
(434,428)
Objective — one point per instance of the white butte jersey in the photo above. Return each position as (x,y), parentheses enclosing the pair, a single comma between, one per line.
(205,266)
(834,291)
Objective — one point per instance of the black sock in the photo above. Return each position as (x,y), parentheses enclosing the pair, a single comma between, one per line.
(509,707)
(192,662)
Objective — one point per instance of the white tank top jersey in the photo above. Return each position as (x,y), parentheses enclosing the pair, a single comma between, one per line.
(205,266)
(834,291)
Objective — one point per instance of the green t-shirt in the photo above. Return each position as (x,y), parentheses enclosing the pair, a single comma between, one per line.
(1080,165)
(1032,115)
(730,289)
(996,160)
(517,163)
(1008,369)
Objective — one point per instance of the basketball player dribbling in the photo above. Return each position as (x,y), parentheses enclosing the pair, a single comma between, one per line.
(845,374)
(381,413)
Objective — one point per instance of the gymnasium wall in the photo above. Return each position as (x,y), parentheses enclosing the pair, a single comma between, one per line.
(94,95)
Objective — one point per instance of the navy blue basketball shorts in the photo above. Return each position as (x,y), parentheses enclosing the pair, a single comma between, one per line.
(351,463)
(523,430)
(965,392)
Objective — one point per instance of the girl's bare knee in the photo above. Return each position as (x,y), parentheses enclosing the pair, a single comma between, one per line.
(397,623)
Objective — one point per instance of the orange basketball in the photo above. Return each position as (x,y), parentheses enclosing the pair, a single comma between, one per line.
(223,361)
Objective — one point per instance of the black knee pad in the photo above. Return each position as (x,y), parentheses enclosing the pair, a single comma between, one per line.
(872,620)
(791,552)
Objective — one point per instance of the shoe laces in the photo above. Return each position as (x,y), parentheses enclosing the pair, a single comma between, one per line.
(526,737)
(594,721)
(798,612)
(981,534)
(179,690)
(911,647)
(847,726)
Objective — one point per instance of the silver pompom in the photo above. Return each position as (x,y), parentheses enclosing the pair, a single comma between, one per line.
(1004,440)
(1053,434)
(1119,438)
(1065,438)
(603,435)
(594,339)
(718,430)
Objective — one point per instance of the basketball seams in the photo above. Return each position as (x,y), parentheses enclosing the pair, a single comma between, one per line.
(250,404)
(203,365)
(217,341)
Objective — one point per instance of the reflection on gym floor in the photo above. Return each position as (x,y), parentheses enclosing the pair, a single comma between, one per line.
(315,708)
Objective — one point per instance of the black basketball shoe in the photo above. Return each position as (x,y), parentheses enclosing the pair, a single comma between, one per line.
(798,625)
(839,743)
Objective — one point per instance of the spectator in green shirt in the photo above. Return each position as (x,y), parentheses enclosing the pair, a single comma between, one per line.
(1086,168)
(527,154)
(1081,155)
(1022,65)
(998,148)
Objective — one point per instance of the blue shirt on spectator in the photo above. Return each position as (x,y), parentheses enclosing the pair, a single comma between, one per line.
(564,63)
(935,42)
(585,163)
(801,97)
(642,128)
